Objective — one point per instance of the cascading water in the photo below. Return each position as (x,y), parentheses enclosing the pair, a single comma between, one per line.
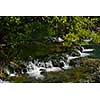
(82,54)
(34,71)
(49,66)
(36,68)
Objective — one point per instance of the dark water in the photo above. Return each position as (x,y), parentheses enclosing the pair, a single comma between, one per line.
(38,50)
(96,52)
(41,50)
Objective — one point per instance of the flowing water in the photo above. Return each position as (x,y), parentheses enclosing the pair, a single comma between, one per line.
(43,57)
(94,50)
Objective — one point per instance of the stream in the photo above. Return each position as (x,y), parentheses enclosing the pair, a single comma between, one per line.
(42,58)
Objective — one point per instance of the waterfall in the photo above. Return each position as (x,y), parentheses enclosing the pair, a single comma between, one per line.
(50,67)
(49,64)
(35,68)
(34,71)
(83,54)
(66,65)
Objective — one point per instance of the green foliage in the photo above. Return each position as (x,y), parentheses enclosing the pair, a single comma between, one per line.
(81,28)
(23,30)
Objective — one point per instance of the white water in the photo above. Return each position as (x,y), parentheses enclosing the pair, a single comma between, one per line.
(31,66)
(66,65)
(53,69)
(34,71)
(49,64)
(72,58)
(10,74)
(83,54)
(35,74)
(86,50)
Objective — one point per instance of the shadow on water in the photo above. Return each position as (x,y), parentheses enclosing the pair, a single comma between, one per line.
(38,50)
(41,50)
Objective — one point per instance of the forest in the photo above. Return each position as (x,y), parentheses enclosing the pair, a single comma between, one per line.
(49,49)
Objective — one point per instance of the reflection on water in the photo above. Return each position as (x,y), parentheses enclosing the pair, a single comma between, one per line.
(43,50)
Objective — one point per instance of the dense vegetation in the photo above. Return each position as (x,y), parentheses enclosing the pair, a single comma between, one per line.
(23,36)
